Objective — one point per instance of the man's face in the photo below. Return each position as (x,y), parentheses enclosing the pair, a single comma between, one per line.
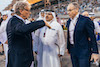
(49,16)
(4,17)
(25,13)
(42,14)
(72,11)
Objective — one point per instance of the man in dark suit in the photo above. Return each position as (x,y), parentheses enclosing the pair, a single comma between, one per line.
(20,52)
(80,29)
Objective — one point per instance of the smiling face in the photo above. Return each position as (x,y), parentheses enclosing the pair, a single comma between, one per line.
(72,11)
(49,16)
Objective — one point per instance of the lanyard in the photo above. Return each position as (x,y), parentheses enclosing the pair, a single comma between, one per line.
(45,32)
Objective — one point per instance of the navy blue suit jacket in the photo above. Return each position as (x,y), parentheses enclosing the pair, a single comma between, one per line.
(84,29)
(20,51)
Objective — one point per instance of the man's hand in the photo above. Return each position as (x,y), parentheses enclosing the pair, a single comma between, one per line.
(6,42)
(96,33)
(36,52)
(47,24)
(68,52)
(59,55)
(95,57)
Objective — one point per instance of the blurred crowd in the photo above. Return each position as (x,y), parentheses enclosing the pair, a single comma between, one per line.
(61,7)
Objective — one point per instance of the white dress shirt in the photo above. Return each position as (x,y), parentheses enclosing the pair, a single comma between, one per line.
(72,27)
(20,18)
(3,35)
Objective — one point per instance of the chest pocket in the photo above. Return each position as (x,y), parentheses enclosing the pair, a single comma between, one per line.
(52,32)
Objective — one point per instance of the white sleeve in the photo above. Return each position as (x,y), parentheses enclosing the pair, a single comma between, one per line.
(36,40)
(2,27)
(33,35)
(97,28)
(61,40)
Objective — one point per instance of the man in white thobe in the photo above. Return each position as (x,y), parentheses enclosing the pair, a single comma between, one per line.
(37,44)
(41,15)
(3,35)
(53,42)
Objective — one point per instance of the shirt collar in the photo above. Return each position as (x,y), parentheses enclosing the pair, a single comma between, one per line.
(75,17)
(19,17)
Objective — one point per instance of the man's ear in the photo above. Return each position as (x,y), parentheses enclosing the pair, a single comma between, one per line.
(20,11)
(77,9)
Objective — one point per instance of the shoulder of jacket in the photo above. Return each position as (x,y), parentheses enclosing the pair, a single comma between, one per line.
(84,17)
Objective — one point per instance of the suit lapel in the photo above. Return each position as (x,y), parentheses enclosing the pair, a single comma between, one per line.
(76,26)
(21,21)
(68,24)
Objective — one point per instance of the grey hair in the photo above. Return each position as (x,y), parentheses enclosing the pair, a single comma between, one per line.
(20,5)
(76,5)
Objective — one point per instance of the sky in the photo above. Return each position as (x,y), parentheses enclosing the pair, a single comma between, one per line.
(4,3)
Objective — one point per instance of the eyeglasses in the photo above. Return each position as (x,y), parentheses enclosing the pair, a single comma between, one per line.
(27,10)
(70,10)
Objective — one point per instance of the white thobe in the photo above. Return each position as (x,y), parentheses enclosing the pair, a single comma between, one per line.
(38,45)
(53,40)
(3,35)
(3,38)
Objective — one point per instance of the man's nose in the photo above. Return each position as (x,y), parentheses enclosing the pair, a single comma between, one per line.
(29,12)
(46,16)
